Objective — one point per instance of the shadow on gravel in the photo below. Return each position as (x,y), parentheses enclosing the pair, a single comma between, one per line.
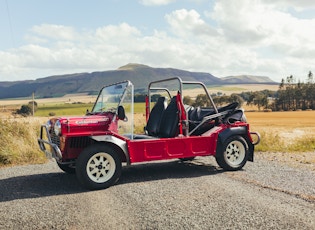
(38,185)
(166,170)
(59,183)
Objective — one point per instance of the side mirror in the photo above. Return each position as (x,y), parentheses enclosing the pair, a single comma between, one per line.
(121,113)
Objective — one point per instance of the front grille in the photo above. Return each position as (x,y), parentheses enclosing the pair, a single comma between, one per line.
(79,142)
(54,138)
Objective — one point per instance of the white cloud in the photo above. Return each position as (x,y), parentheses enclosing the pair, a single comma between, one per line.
(258,37)
(297,5)
(254,26)
(184,22)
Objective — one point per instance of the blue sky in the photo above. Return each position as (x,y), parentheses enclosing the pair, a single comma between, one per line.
(272,38)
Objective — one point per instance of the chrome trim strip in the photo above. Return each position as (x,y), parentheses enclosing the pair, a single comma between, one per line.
(119,142)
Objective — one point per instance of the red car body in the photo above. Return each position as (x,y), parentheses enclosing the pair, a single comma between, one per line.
(93,147)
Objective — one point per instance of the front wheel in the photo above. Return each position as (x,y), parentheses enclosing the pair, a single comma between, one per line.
(67,168)
(98,167)
(233,154)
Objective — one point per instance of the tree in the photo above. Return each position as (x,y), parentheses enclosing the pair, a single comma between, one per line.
(310,77)
(25,110)
(31,103)
(201,100)
(293,96)
(260,100)
(236,98)
(187,100)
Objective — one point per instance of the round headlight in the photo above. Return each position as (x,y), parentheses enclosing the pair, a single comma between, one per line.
(48,124)
(57,128)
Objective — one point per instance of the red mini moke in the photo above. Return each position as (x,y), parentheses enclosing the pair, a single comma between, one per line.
(95,145)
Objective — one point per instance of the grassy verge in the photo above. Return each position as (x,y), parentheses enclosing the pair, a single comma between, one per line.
(18,142)
(289,132)
(273,142)
(284,131)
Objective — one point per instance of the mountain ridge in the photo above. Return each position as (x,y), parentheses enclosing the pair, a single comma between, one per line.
(139,74)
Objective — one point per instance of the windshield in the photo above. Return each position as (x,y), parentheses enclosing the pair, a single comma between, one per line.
(110,98)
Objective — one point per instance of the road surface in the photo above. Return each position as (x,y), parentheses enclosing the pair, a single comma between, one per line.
(169,195)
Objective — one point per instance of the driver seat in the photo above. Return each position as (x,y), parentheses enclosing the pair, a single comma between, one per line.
(170,120)
(153,124)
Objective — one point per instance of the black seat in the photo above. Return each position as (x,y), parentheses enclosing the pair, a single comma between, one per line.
(152,127)
(230,107)
(169,121)
(196,117)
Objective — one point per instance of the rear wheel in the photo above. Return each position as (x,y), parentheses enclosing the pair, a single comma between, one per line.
(233,154)
(98,167)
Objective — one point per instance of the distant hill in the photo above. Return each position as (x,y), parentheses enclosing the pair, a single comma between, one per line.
(139,75)
(248,79)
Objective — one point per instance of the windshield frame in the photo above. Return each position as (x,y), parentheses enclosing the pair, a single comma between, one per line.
(111,96)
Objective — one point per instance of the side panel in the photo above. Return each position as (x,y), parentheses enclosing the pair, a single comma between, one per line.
(169,148)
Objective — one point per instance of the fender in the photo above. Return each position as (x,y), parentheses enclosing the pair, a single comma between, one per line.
(241,130)
(116,141)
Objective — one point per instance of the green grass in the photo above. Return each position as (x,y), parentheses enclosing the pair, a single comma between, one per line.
(274,143)
(62,109)
(74,109)
(302,144)
(270,142)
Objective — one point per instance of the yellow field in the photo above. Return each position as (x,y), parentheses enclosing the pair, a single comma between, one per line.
(286,136)
(288,120)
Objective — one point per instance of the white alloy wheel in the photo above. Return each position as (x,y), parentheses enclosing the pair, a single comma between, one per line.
(100,167)
(235,153)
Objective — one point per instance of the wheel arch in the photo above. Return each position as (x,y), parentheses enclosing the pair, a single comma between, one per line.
(119,145)
(233,131)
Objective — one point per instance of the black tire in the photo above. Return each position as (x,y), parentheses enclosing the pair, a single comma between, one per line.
(233,154)
(67,168)
(98,167)
(187,159)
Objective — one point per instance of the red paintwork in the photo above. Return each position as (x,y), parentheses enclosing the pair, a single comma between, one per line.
(168,148)
(140,150)
(84,126)
(181,114)
(87,125)
(178,147)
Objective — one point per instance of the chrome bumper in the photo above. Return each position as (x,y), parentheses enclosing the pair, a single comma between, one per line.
(54,149)
(257,137)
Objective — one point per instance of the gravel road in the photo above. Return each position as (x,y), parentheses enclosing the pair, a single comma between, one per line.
(169,195)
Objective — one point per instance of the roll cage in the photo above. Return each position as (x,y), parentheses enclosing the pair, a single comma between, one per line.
(188,123)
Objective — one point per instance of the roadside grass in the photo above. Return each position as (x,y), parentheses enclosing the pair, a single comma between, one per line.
(18,141)
(269,142)
(303,144)
(286,132)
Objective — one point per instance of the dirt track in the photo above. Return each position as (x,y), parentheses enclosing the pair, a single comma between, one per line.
(267,194)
